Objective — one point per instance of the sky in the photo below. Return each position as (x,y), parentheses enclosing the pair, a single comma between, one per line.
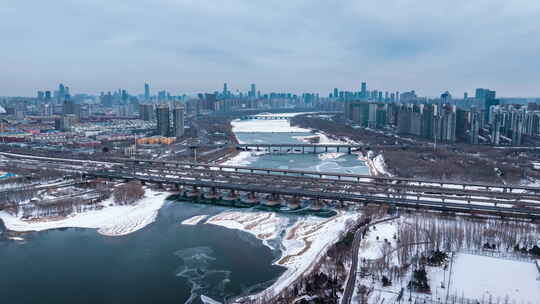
(296,46)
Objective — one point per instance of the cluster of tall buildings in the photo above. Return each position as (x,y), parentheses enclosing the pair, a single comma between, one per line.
(58,95)
(477,120)
(424,120)
(170,121)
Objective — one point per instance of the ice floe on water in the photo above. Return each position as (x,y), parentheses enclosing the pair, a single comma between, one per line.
(330,155)
(196,270)
(194,220)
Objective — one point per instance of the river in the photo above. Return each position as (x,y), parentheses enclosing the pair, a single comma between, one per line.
(165,262)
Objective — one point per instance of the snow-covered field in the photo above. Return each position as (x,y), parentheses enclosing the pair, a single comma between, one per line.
(483,278)
(372,246)
(111,220)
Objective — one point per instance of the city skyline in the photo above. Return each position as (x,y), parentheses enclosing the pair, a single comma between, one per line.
(294,47)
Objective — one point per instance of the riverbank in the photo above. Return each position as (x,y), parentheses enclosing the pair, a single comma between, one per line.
(409,156)
(109,219)
(305,240)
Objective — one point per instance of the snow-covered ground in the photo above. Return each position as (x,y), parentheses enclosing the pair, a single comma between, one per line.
(480,278)
(194,220)
(243,158)
(380,165)
(263,225)
(301,243)
(111,220)
(372,246)
(305,242)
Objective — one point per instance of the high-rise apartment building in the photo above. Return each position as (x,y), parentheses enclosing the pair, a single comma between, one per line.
(163,120)
(178,121)
(146,112)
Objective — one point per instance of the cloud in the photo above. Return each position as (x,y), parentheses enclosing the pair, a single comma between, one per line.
(193,46)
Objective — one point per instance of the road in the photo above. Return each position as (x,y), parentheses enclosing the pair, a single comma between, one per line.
(353,272)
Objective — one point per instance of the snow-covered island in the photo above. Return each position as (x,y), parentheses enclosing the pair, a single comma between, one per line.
(108,217)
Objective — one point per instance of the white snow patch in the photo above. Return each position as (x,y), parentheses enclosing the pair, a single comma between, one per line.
(263,225)
(243,158)
(371,245)
(330,155)
(16,238)
(479,277)
(305,242)
(194,220)
(208,300)
(111,220)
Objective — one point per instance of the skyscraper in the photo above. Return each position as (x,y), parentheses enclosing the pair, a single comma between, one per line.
(163,120)
(146,91)
(69,106)
(225,90)
(178,121)
(146,112)
(487,99)
(363,91)
(253,90)
(61,92)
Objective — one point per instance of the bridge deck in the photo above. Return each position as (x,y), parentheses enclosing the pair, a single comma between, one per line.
(495,187)
(460,207)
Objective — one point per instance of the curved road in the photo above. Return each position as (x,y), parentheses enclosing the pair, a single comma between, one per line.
(351,282)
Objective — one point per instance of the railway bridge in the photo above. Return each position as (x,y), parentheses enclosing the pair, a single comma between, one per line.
(275,187)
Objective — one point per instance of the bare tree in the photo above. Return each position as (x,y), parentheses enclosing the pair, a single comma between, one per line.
(128,193)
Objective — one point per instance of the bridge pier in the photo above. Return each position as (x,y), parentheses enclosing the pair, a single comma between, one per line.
(273,200)
(293,203)
(316,204)
(349,150)
(231,196)
(252,198)
(195,192)
(325,148)
(213,194)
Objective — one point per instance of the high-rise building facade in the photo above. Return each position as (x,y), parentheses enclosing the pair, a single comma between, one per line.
(363,90)
(253,91)
(146,112)
(163,120)
(146,91)
(178,121)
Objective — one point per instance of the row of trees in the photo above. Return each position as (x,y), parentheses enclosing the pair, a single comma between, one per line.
(128,193)
(425,239)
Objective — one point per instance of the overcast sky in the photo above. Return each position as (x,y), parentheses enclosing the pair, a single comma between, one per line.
(187,46)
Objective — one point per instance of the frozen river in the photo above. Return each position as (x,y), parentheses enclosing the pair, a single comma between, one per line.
(170,262)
